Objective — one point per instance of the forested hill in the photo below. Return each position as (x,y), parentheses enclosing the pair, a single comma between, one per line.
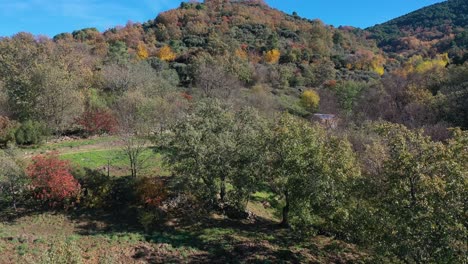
(251,31)
(441,27)
(241,51)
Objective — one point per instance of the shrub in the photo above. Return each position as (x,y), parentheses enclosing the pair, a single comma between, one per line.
(96,189)
(62,252)
(30,133)
(51,179)
(149,218)
(150,191)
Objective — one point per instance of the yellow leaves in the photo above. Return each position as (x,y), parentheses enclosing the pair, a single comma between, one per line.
(377,64)
(166,54)
(242,54)
(310,100)
(380,70)
(272,56)
(417,64)
(142,52)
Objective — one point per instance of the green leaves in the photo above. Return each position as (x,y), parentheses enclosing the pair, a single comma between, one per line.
(217,153)
(313,168)
(422,196)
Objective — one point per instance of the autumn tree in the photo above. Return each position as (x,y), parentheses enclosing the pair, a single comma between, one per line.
(310,100)
(134,147)
(52,180)
(142,51)
(135,125)
(272,56)
(98,121)
(166,54)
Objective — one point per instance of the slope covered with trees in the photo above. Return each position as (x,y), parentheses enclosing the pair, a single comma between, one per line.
(437,28)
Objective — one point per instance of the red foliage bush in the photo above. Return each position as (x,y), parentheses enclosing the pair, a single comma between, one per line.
(151,191)
(51,178)
(98,122)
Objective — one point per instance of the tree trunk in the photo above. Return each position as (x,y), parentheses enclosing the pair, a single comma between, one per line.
(222,193)
(285,221)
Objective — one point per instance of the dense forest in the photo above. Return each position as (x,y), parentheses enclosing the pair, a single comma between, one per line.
(434,29)
(356,135)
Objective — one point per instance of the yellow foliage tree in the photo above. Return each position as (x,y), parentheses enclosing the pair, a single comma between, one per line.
(377,65)
(142,52)
(242,54)
(272,56)
(310,100)
(166,54)
(418,64)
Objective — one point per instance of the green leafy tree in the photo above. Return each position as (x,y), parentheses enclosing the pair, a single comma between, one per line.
(30,133)
(308,174)
(421,209)
(118,53)
(215,147)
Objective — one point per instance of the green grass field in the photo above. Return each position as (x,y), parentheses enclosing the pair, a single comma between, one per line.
(97,153)
(118,161)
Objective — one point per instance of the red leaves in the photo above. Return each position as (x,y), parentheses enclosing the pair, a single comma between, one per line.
(151,191)
(187,96)
(98,122)
(51,178)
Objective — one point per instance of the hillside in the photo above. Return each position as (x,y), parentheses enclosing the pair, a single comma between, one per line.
(231,132)
(439,28)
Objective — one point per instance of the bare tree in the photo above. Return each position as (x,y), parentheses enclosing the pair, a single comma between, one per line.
(59,102)
(117,77)
(135,127)
(215,82)
(134,148)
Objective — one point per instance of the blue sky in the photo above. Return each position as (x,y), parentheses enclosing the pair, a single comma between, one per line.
(50,17)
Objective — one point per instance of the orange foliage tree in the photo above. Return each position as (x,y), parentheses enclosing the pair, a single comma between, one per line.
(142,51)
(166,54)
